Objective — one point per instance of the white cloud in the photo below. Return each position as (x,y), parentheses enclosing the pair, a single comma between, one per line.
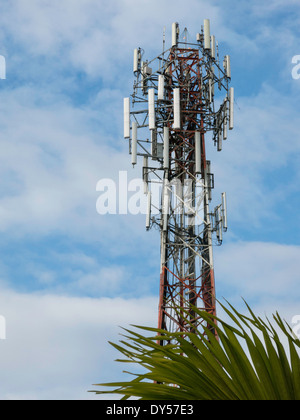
(264,274)
(259,271)
(57,347)
(106,280)
(52,161)
(263,9)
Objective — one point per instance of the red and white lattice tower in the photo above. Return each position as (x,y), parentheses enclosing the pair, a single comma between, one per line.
(167,121)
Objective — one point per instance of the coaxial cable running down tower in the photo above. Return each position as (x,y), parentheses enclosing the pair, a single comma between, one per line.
(167,120)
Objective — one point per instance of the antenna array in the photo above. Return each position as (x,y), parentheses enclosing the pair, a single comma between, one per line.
(172,109)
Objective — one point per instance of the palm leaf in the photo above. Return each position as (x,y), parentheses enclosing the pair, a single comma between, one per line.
(239,365)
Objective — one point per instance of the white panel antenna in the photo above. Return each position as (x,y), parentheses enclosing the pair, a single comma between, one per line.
(166,147)
(151,106)
(197,152)
(175,34)
(134,144)
(161,88)
(207,45)
(213,46)
(227,66)
(176,105)
(166,206)
(224,211)
(135,60)
(126,118)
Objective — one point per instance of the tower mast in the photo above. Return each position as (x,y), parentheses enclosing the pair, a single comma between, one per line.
(174,100)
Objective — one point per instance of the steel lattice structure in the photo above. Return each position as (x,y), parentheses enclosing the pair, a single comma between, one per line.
(167,119)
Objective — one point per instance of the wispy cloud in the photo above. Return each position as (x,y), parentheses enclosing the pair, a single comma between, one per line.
(56,347)
(259,270)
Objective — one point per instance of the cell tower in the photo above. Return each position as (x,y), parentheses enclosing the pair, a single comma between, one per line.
(167,120)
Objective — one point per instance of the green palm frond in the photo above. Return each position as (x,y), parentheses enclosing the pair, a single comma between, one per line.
(248,361)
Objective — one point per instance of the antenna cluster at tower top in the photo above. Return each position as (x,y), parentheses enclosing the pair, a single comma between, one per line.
(156,102)
(174,104)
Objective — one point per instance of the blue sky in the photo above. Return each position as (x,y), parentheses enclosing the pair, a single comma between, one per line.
(70,277)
